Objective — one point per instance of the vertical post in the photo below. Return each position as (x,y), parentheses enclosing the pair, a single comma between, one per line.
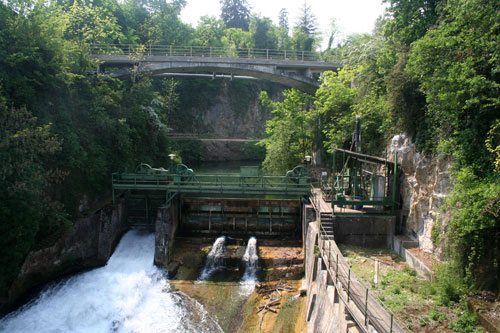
(249,53)
(302,55)
(285,54)
(348,284)
(337,270)
(191,51)
(342,171)
(210,52)
(170,50)
(334,171)
(366,307)
(394,182)
(329,250)
(392,320)
(267,53)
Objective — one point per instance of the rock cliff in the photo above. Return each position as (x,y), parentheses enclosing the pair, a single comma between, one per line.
(425,183)
(90,243)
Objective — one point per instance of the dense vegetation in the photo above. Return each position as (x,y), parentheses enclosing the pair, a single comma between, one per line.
(430,69)
(64,129)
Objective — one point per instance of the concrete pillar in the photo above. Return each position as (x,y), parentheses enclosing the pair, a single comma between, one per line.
(166,225)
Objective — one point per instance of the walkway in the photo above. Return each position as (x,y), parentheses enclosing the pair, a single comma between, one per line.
(365,309)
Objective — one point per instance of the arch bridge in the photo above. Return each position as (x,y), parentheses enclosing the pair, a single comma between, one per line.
(295,69)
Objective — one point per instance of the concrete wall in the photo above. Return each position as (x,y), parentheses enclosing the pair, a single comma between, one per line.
(90,243)
(167,223)
(365,231)
(325,311)
(401,246)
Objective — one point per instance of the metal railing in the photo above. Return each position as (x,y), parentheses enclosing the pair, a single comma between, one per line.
(365,309)
(235,184)
(201,51)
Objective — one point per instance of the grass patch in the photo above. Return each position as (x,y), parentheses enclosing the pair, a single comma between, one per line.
(415,302)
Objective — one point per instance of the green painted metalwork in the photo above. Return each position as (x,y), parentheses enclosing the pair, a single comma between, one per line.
(364,180)
(184,180)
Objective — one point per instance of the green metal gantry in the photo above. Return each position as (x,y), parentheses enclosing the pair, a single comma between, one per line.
(364,180)
(181,180)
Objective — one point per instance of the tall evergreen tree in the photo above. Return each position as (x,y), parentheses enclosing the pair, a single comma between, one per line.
(235,13)
(306,21)
(283,19)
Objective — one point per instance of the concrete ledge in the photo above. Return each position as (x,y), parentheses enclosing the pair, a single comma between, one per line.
(401,244)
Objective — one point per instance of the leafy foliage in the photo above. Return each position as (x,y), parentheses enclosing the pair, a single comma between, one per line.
(26,206)
(235,13)
(289,138)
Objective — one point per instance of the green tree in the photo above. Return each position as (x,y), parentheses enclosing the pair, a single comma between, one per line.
(456,66)
(306,21)
(235,13)
(289,131)
(283,20)
(237,38)
(209,32)
(26,206)
(410,19)
(334,104)
(264,33)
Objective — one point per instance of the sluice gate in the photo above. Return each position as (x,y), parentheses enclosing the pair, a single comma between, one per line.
(231,204)
(241,216)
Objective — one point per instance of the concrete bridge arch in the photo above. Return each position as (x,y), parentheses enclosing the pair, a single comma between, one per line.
(302,75)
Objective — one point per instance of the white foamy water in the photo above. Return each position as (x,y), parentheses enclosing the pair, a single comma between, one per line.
(129,294)
(251,260)
(214,259)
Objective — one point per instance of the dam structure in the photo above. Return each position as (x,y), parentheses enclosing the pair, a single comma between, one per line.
(179,202)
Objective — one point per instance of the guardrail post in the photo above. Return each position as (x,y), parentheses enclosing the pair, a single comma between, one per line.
(366,307)
(170,50)
(285,54)
(210,52)
(248,53)
(337,270)
(267,53)
(329,251)
(348,284)
(392,320)
(302,55)
(191,51)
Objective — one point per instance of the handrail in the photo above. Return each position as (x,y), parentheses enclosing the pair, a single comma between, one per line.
(372,311)
(201,51)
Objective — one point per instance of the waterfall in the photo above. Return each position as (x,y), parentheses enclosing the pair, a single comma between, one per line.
(215,258)
(251,260)
(129,294)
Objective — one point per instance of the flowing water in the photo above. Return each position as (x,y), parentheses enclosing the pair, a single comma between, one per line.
(129,294)
(215,258)
(251,260)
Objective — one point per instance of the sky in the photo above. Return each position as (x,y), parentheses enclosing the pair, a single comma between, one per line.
(352,16)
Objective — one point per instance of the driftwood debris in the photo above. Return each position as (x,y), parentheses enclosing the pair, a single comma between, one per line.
(269,288)
(268,306)
(271,292)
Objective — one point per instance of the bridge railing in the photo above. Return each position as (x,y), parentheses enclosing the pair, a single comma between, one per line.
(368,310)
(201,51)
(211,183)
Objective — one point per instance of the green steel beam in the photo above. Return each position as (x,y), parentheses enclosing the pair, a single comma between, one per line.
(214,184)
